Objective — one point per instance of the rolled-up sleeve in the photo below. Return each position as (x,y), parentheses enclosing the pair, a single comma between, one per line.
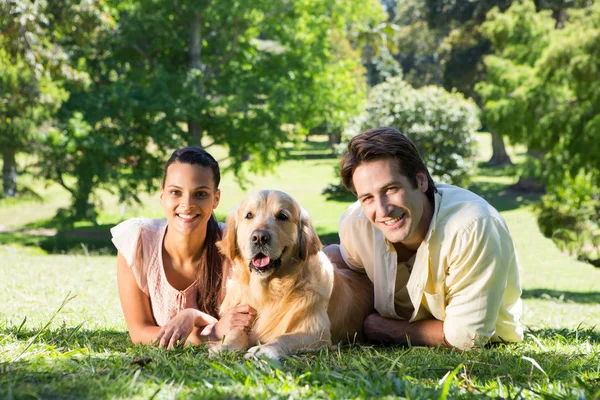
(476,282)
(350,247)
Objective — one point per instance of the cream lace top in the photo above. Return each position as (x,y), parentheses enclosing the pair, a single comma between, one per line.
(140,241)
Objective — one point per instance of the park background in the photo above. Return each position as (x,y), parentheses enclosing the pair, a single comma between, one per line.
(500,97)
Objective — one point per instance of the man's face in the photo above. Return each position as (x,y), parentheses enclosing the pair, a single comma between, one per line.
(399,210)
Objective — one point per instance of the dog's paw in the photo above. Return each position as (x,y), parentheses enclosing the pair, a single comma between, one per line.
(217,350)
(264,351)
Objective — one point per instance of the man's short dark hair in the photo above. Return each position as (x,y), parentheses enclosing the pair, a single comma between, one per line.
(384,143)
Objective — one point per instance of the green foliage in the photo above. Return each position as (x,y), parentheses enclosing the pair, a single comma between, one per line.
(570,215)
(247,76)
(36,67)
(441,124)
(542,90)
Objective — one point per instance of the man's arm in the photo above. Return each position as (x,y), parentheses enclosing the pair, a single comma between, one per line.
(334,253)
(427,332)
(380,329)
(477,280)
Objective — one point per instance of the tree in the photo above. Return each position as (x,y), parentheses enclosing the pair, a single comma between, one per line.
(34,67)
(441,124)
(247,76)
(543,91)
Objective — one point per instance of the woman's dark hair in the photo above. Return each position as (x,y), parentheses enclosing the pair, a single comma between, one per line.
(380,143)
(210,270)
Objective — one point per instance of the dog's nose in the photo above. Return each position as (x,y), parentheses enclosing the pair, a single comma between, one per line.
(260,237)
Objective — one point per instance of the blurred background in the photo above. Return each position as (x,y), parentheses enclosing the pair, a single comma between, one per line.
(502,97)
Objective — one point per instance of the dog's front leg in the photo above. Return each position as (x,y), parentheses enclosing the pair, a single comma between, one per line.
(290,343)
(236,339)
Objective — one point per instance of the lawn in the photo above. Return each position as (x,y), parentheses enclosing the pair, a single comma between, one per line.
(62,334)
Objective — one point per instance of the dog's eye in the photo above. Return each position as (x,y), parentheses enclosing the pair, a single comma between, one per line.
(282,216)
(249,216)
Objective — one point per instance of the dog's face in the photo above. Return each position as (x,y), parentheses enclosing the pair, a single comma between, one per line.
(267,230)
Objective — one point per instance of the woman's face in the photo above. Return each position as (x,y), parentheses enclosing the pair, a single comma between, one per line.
(188,197)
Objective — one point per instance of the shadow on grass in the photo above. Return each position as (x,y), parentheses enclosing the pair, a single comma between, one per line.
(311,156)
(329,238)
(312,150)
(86,239)
(497,170)
(561,296)
(350,372)
(566,335)
(498,195)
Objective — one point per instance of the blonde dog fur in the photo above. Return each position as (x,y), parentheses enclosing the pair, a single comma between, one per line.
(302,301)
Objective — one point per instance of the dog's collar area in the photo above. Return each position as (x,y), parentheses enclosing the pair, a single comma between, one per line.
(273,265)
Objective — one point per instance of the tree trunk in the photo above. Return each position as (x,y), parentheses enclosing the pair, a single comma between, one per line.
(194,128)
(195,133)
(82,208)
(334,138)
(529,184)
(499,154)
(9,172)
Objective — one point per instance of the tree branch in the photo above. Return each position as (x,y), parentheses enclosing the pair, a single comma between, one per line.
(62,183)
(226,57)
(144,55)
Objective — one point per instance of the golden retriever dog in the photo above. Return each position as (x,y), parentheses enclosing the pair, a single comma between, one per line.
(302,301)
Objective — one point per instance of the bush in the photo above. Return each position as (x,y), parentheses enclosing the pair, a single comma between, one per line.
(570,215)
(441,124)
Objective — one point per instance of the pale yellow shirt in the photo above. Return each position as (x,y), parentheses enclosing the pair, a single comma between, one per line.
(465,272)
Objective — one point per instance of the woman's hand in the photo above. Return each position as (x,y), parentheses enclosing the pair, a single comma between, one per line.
(179,327)
(239,317)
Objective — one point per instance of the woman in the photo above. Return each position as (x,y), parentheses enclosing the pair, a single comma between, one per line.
(170,273)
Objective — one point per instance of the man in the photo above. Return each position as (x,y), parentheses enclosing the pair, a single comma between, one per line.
(441,259)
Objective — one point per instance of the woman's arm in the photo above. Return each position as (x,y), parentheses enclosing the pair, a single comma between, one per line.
(136,305)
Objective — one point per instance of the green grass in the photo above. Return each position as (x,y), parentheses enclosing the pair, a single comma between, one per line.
(83,351)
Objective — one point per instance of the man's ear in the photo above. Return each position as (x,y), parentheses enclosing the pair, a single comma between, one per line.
(422,182)
(228,245)
(308,240)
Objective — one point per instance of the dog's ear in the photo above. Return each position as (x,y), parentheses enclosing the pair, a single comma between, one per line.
(308,241)
(228,245)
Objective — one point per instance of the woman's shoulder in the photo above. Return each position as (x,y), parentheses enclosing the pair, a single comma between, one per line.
(138,225)
(133,235)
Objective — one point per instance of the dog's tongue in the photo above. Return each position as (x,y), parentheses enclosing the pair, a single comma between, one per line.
(261,261)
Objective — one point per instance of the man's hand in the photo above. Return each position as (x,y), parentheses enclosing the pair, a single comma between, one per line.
(385,330)
(240,317)
(428,332)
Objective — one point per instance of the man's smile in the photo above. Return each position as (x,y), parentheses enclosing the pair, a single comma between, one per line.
(393,221)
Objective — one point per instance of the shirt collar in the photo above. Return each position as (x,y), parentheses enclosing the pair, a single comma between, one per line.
(437,197)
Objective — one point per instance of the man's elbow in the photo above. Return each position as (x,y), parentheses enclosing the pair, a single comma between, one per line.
(464,339)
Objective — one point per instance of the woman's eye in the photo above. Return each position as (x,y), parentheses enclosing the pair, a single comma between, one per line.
(201,194)
(175,192)
(249,216)
(282,217)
